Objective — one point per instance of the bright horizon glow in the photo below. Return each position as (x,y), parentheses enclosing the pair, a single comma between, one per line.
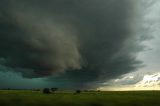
(149,82)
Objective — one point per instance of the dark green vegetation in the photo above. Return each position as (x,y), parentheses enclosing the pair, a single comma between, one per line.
(37,98)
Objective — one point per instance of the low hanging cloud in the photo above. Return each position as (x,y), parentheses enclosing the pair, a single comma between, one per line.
(83,42)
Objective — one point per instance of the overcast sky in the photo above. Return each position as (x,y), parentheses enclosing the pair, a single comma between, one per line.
(79,44)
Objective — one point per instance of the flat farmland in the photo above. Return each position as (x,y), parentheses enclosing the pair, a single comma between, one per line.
(66,98)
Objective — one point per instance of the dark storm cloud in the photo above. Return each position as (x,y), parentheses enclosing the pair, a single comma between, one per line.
(81,41)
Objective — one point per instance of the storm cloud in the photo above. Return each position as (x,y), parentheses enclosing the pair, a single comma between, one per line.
(80,41)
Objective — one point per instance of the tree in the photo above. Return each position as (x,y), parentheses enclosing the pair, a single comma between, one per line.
(46,91)
(78,91)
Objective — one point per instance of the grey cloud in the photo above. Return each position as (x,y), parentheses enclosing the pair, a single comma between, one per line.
(83,42)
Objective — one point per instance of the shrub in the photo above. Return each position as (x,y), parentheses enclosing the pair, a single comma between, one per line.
(46,91)
(78,91)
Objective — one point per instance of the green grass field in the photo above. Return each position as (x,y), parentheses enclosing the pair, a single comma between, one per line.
(110,98)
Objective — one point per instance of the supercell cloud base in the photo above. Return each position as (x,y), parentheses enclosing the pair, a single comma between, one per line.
(76,44)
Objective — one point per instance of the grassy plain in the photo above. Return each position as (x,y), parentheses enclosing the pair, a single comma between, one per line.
(109,98)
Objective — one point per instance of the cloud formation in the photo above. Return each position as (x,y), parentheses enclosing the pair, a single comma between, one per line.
(84,42)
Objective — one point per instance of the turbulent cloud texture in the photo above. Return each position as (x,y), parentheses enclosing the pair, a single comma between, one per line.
(81,41)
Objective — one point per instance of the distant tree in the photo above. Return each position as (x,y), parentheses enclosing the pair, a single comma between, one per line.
(46,91)
(78,91)
(54,89)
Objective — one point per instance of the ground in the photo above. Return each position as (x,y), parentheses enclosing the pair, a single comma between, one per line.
(61,98)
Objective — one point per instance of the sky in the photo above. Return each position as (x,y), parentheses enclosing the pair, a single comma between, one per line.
(73,44)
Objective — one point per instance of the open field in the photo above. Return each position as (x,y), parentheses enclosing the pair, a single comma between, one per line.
(110,98)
